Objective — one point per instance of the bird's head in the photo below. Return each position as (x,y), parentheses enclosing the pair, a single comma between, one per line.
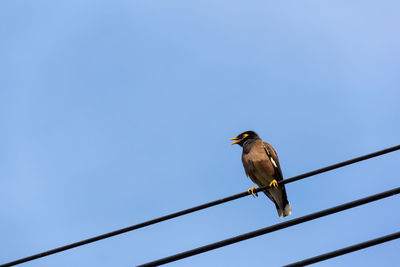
(243,137)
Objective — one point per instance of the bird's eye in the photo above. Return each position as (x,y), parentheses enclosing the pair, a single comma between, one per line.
(244,136)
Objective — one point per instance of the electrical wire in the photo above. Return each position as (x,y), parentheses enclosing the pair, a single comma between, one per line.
(196,208)
(345,250)
(272,228)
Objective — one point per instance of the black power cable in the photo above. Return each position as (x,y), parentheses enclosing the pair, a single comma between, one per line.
(272,228)
(194,209)
(345,250)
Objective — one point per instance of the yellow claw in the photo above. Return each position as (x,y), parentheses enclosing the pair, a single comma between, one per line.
(251,191)
(273,184)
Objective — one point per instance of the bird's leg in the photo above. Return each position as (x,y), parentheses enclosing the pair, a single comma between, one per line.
(251,191)
(273,184)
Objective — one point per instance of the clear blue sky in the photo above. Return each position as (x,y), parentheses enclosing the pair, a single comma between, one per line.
(116,112)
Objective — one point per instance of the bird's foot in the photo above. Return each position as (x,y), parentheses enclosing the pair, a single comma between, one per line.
(251,191)
(273,184)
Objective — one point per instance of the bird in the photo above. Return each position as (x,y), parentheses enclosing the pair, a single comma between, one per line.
(261,164)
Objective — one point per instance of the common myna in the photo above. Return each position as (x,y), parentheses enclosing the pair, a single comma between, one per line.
(261,164)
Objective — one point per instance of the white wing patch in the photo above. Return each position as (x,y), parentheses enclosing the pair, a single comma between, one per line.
(273,162)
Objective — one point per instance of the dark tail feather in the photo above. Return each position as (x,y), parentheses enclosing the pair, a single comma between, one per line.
(283,212)
(278,196)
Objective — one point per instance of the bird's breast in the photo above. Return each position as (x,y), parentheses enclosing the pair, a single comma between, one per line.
(257,165)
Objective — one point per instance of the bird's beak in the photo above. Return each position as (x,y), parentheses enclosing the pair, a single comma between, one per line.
(237,140)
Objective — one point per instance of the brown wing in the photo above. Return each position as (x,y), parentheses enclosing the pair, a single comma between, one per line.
(278,173)
(284,206)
